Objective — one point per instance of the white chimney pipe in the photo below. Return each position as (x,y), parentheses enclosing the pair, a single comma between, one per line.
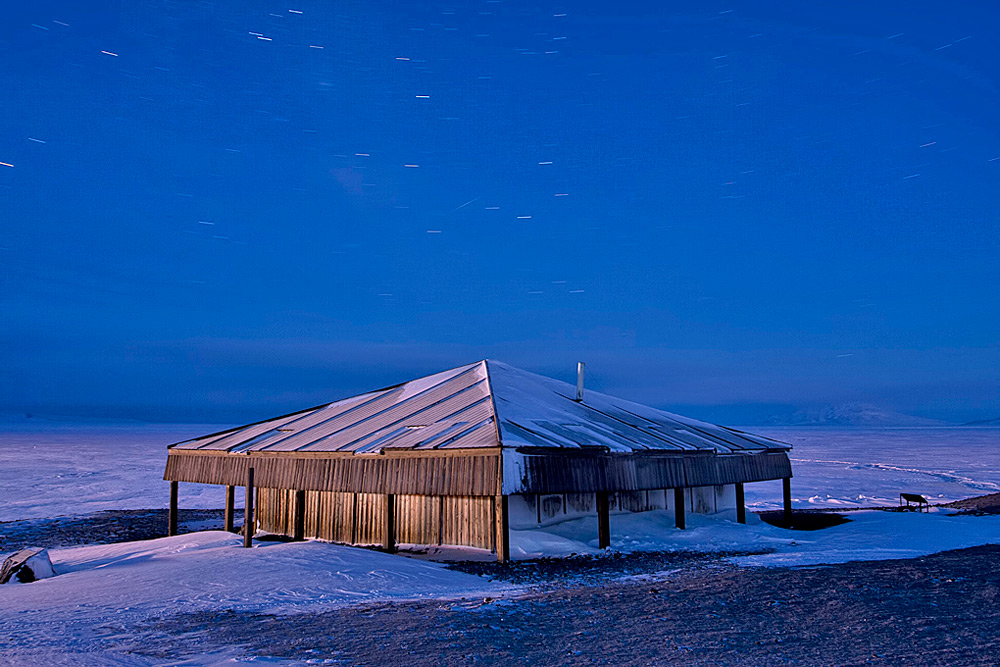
(579,382)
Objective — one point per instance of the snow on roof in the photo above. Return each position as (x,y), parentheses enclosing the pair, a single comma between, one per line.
(461,409)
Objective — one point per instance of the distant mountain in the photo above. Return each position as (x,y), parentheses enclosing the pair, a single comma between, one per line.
(983,422)
(852,414)
(40,420)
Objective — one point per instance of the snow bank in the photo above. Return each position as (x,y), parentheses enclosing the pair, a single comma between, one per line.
(875,535)
(102,590)
(870,535)
(94,611)
(212,570)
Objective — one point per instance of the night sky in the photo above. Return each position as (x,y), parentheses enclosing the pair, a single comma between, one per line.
(225,210)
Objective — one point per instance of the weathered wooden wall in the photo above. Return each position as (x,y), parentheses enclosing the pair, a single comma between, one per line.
(573,472)
(358,518)
(472,473)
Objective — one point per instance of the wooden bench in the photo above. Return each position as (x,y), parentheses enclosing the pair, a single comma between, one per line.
(919,502)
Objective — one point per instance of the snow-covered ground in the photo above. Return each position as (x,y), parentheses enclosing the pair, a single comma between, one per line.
(104,597)
(852,467)
(86,614)
(59,469)
(95,609)
(870,535)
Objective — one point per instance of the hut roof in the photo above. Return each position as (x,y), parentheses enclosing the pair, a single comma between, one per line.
(485,404)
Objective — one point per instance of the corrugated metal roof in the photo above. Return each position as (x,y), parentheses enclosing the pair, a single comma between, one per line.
(461,408)
(538,411)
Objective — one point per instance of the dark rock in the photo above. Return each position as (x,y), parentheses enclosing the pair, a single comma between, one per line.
(27,565)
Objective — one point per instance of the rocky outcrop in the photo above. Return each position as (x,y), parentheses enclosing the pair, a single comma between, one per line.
(27,565)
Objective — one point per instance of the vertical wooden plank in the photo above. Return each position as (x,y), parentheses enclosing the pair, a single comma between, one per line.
(248,522)
(492,523)
(741,508)
(230,508)
(313,527)
(440,520)
(502,528)
(299,525)
(679,508)
(603,520)
(389,523)
(354,518)
(786,493)
(172,513)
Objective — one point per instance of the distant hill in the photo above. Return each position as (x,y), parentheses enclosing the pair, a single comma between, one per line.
(41,420)
(852,414)
(984,422)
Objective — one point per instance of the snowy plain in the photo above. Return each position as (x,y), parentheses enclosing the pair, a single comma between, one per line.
(869,535)
(91,612)
(107,599)
(94,612)
(59,469)
(864,467)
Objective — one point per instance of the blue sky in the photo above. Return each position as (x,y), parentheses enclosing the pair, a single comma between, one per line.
(725,208)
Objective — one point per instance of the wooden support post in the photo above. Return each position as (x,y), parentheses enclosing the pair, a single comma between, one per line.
(679,509)
(741,507)
(786,493)
(389,522)
(248,518)
(354,520)
(502,528)
(172,514)
(299,526)
(603,520)
(230,508)
(440,520)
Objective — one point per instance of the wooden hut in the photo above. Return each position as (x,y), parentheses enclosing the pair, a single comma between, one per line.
(459,457)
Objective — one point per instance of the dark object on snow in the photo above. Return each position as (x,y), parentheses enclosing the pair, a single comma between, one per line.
(27,565)
(803,519)
(919,501)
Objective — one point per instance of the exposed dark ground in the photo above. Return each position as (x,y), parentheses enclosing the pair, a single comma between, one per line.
(106,527)
(988,504)
(593,570)
(936,610)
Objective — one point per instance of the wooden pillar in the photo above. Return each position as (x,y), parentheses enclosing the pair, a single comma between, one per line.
(603,520)
(389,522)
(230,508)
(786,493)
(299,526)
(679,509)
(440,520)
(502,528)
(248,519)
(172,513)
(354,519)
(741,508)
